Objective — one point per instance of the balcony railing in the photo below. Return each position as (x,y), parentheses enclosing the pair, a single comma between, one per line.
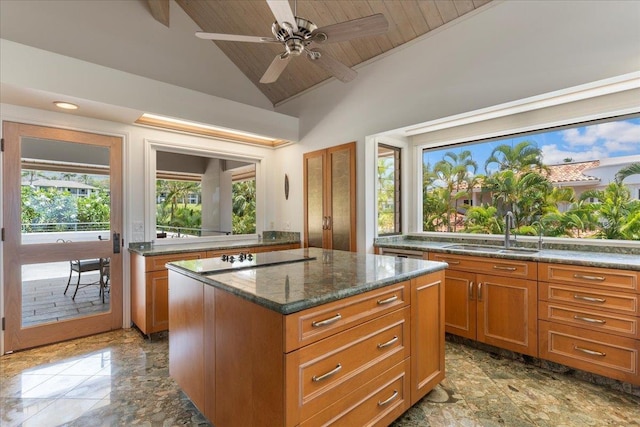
(54,227)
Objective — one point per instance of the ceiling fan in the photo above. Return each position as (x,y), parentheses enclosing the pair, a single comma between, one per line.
(302,37)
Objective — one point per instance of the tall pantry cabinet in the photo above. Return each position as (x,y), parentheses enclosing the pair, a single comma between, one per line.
(330,198)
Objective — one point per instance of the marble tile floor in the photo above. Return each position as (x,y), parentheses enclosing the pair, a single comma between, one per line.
(121,379)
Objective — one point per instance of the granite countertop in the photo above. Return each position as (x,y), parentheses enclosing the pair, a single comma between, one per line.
(557,256)
(195,246)
(332,275)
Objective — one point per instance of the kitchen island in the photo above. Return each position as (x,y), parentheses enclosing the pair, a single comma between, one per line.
(327,337)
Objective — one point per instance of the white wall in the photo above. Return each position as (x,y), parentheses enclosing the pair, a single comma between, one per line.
(114,31)
(505,52)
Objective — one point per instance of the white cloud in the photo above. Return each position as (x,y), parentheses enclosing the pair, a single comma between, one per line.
(552,155)
(616,136)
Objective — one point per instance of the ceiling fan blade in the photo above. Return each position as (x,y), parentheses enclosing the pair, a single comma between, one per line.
(362,27)
(332,65)
(276,68)
(283,13)
(235,37)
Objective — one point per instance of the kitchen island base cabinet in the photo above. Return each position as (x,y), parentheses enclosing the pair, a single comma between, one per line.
(263,368)
(427,323)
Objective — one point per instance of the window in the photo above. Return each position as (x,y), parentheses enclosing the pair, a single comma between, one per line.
(389,202)
(571,182)
(200,196)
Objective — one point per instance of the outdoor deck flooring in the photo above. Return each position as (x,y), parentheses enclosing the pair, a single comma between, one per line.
(43,300)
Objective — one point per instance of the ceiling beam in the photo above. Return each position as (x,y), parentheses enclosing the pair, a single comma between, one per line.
(160,10)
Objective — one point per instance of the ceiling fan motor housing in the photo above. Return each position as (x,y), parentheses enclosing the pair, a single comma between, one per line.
(295,42)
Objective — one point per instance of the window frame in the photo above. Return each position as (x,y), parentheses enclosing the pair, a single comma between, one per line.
(398,181)
(152,146)
(506,134)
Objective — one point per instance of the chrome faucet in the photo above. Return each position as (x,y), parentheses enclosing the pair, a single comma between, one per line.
(509,221)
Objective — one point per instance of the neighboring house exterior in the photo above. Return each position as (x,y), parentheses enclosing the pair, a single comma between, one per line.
(77,189)
(580,176)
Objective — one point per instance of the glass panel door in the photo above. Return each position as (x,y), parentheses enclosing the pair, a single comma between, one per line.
(62,208)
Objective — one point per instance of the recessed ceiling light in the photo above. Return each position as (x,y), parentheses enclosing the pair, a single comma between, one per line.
(65,105)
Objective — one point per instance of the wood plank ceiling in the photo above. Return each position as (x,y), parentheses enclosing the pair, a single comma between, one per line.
(408,19)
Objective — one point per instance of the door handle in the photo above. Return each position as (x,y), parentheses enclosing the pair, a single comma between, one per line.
(479,291)
(471,290)
(116,243)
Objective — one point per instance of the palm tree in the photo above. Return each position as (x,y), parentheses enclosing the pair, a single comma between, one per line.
(523,194)
(525,156)
(482,219)
(614,209)
(632,169)
(457,172)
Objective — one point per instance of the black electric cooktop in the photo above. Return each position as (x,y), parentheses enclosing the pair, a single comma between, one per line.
(244,260)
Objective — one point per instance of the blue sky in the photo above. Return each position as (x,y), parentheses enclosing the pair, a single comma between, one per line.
(595,142)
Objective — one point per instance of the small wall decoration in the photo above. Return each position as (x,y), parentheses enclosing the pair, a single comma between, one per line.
(286,187)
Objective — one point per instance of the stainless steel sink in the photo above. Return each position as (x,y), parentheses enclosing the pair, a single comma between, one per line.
(518,250)
(488,248)
(475,248)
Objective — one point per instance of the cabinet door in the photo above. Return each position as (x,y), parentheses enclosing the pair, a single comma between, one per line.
(427,333)
(341,198)
(460,303)
(158,288)
(315,217)
(507,313)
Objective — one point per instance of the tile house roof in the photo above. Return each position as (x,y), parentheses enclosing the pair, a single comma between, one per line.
(572,172)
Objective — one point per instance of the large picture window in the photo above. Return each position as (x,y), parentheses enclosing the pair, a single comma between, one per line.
(201,196)
(575,182)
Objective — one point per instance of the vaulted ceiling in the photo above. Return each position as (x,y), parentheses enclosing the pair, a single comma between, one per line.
(408,19)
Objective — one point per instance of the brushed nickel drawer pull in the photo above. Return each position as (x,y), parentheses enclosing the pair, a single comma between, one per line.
(589,299)
(590,320)
(582,276)
(328,374)
(591,352)
(387,300)
(471,290)
(387,401)
(388,343)
(326,322)
(498,267)
(450,262)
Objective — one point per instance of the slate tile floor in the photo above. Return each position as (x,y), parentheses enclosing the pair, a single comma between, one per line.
(120,379)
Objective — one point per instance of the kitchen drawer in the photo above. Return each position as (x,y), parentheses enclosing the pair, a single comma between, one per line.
(378,402)
(589,318)
(331,368)
(588,297)
(157,262)
(311,325)
(495,266)
(600,353)
(602,278)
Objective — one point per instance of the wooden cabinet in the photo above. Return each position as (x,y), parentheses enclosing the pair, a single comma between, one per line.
(427,329)
(492,300)
(149,284)
(330,198)
(588,319)
(361,360)
(149,290)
